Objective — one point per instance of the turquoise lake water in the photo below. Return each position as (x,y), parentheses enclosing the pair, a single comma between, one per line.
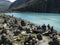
(40,18)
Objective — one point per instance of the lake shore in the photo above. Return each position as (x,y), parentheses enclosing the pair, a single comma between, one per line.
(17,29)
(40,18)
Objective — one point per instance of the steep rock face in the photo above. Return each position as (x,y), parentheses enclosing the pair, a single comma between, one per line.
(4,5)
(52,6)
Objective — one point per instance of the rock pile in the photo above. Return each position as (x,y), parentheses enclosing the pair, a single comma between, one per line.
(15,29)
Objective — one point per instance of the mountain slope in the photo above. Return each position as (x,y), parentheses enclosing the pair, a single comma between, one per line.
(4,5)
(18,3)
(36,5)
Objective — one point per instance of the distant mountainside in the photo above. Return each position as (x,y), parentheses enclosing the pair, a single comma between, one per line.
(18,3)
(4,5)
(52,6)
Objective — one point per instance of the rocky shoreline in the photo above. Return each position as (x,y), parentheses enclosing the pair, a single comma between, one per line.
(16,31)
